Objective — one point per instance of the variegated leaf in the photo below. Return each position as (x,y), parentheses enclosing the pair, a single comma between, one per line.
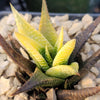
(34,53)
(46,27)
(22,38)
(64,53)
(61,71)
(48,57)
(59,42)
(25,28)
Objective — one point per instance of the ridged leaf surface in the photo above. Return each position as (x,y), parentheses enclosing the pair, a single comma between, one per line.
(61,71)
(64,53)
(46,27)
(37,57)
(39,79)
(25,28)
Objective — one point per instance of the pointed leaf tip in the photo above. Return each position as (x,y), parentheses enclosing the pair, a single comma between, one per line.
(64,53)
(46,27)
(61,71)
(39,79)
(26,29)
(59,42)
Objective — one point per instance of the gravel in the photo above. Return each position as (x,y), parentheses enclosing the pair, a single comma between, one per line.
(8,81)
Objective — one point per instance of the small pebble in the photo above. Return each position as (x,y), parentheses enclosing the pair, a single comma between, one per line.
(3,66)
(87,48)
(97,80)
(95,47)
(97,30)
(27,17)
(16,82)
(1,50)
(11,20)
(3,97)
(11,70)
(51,94)
(5,84)
(75,28)
(87,82)
(95,71)
(67,25)
(96,38)
(87,20)
(84,56)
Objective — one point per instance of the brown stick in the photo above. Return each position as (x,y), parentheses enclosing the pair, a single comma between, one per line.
(22,62)
(86,67)
(82,37)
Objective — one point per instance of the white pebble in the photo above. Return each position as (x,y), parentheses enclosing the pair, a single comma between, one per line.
(3,97)
(4,85)
(87,20)
(36,19)
(84,56)
(18,97)
(11,91)
(16,82)
(95,71)
(97,80)
(51,94)
(91,75)
(87,82)
(1,50)
(3,66)
(11,70)
(87,47)
(96,38)
(97,30)
(75,28)
(95,47)
(67,25)
(27,17)
(11,20)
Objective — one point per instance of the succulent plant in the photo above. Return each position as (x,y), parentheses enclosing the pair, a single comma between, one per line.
(54,61)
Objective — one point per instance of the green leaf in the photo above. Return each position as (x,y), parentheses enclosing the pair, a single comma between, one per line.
(34,53)
(61,71)
(46,27)
(59,42)
(39,79)
(75,65)
(22,38)
(48,57)
(25,28)
(64,53)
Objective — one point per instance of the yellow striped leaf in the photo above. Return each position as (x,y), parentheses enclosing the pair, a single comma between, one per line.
(64,53)
(48,57)
(25,28)
(61,71)
(34,53)
(22,38)
(46,27)
(59,42)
